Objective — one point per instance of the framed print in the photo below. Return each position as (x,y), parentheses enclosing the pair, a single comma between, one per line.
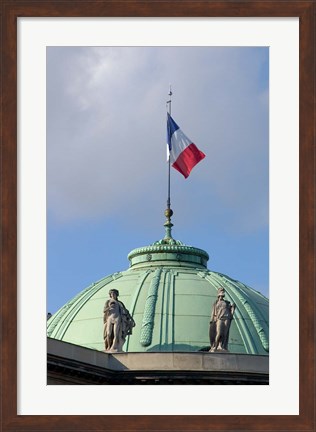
(30,31)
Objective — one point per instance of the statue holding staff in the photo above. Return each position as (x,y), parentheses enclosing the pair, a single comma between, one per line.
(221,317)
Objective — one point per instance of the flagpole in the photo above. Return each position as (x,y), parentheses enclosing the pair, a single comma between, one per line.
(169,110)
(168,213)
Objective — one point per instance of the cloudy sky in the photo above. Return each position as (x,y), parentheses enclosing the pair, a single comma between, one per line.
(106,159)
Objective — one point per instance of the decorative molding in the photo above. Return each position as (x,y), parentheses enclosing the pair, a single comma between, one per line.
(140,284)
(168,248)
(149,311)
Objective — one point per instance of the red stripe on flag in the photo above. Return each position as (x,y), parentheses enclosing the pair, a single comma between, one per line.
(187,160)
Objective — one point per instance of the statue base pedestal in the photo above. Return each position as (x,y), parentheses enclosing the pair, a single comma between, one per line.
(113,351)
(219,351)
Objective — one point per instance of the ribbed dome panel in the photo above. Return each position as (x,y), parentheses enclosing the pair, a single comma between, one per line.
(171,305)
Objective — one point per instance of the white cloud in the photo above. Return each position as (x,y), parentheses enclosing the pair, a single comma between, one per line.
(106,131)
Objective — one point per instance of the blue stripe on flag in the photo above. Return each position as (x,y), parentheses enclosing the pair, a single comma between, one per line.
(171,128)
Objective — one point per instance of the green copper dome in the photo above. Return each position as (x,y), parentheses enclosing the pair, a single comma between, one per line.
(169,292)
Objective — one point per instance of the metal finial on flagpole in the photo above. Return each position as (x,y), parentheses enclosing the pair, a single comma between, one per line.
(168,212)
(169,101)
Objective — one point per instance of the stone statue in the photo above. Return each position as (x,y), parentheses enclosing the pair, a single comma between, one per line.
(118,323)
(222,315)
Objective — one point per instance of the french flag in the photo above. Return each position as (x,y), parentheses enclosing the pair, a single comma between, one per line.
(184,155)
